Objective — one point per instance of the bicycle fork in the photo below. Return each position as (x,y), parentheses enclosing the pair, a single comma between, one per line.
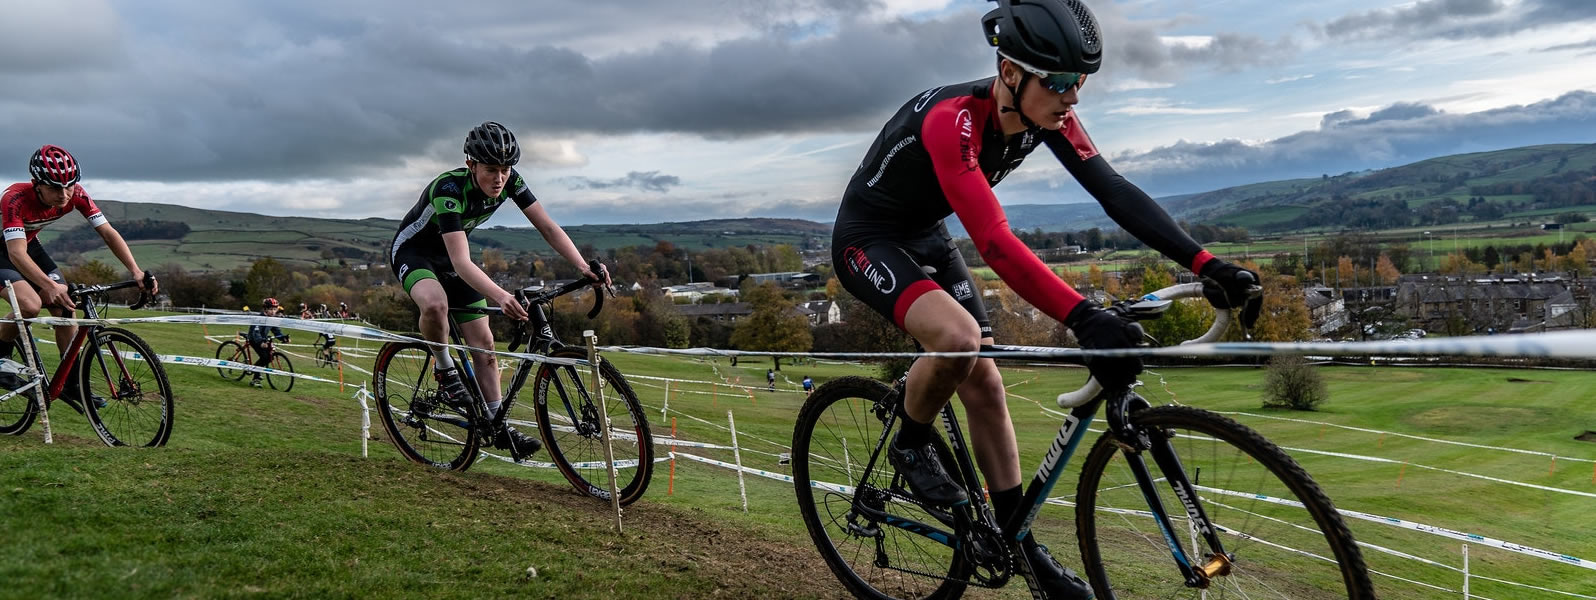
(1132,442)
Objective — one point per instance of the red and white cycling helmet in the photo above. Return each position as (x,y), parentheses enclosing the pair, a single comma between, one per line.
(55,166)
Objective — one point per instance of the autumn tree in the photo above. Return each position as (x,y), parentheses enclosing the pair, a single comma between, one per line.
(1386,270)
(1284,316)
(267,278)
(775,325)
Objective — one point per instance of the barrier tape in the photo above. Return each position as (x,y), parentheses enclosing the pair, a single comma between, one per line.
(341,330)
(1560,344)
(1423,528)
(1415,437)
(725,385)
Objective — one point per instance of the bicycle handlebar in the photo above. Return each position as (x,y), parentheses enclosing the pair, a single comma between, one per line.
(79,290)
(549,295)
(1151,306)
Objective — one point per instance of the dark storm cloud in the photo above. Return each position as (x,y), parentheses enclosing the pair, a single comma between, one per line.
(650,181)
(295,89)
(1458,19)
(1392,136)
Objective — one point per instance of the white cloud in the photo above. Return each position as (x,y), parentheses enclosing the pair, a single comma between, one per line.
(1288,79)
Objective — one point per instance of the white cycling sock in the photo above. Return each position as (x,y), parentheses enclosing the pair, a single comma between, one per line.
(493,408)
(442,361)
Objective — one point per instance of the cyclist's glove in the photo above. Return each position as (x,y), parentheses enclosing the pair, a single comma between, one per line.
(1226,285)
(1098,329)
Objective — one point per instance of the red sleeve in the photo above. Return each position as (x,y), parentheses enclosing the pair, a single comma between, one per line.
(11,215)
(952,140)
(86,206)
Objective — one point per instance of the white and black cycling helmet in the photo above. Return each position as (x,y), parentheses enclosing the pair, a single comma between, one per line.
(1055,36)
(490,143)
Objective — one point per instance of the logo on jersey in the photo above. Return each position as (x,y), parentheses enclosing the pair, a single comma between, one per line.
(878,275)
(448,187)
(967,151)
(403,269)
(926,97)
(963,291)
(449,204)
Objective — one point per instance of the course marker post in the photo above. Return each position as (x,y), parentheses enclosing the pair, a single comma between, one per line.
(365,418)
(670,487)
(28,351)
(604,422)
(1404,471)
(1553,469)
(737,455)
(1466,594)
(666,407)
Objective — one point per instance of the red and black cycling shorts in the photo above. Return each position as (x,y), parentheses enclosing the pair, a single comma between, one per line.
(888,275)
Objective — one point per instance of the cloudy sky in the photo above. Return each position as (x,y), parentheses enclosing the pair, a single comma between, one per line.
(643,111)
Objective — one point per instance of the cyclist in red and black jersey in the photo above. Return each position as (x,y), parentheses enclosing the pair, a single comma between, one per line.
(940,155)
(26,208)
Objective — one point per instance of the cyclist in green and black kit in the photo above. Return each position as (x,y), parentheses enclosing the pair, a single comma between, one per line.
(431,257)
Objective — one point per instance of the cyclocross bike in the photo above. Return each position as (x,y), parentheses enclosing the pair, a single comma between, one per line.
(241,352)
(1248,522)
(327,354)
(430,431)
(131,397)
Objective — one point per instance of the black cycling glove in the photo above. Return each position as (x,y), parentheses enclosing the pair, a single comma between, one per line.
(1098,329)
(1226,285)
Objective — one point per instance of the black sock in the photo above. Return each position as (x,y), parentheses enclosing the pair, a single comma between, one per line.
(1005,503)
(913,434)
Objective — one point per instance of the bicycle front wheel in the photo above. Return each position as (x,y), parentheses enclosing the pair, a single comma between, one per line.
(876,552)
(280,381)
(423,428)
(125,391)
(569,420)
(1284,537)
(234,352)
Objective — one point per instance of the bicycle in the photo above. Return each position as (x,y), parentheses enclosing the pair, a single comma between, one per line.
(428,430)
(327,354)
(131,398)
(239,353)
(1283,537)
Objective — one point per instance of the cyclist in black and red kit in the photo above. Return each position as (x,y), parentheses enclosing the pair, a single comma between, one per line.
(432,259)
(940,155)
(25,209)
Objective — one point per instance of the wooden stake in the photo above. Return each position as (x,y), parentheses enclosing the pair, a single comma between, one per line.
(1404,471)
(670,487)
(604,422)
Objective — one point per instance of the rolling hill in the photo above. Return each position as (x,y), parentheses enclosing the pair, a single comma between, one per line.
(222,240)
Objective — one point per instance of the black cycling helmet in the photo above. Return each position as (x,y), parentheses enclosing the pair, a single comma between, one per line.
(490,143)
(1055,36)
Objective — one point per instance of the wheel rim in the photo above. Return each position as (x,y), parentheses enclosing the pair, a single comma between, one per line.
(424,430)
(842,436)
(137,409)
(574,434)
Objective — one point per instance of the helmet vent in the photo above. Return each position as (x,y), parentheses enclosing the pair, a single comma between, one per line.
(1090,41)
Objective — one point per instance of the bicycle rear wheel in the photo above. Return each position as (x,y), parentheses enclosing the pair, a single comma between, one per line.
(282,382)
(838,429)
(568,417)
(121,370)
(1285,536)
(423,428)
(17,412)
(235,352)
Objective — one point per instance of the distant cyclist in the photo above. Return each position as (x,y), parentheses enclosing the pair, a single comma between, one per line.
(432,259)
(25,209)
(260,337)
(304,311)
(940,155)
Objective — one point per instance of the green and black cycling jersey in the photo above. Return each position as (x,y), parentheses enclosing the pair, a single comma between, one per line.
(453,202)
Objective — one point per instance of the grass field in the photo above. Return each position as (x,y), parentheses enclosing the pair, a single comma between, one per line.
(264,493)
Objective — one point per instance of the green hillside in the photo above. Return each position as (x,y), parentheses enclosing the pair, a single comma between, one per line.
(223,240)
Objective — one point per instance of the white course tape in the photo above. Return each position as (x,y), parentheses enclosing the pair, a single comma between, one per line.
(1413,437)
(721,384)
(195,361)
(1561,344)
(341,330)
(727,465)
(1420,527)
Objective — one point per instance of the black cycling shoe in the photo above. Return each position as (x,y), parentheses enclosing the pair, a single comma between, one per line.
(1059,583)
(519,444)
(453,389)
(923,470)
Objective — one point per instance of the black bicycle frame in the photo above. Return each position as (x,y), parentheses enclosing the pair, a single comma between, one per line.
(1133,442)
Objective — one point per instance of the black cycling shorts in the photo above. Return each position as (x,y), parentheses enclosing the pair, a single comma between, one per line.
(888,275)
(9,272)
(414,264)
